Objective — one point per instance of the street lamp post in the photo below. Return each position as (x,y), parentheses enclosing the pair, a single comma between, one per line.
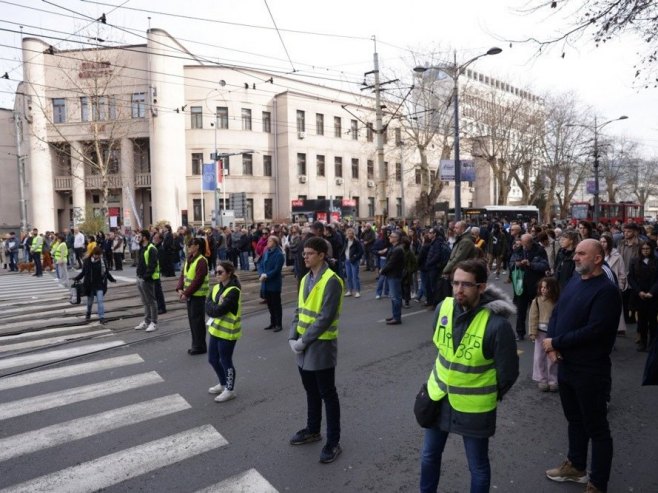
(454,72)
(597,129)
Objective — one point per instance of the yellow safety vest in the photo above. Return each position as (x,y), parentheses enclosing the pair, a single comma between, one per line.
(147,254)
(60,251)
(310,308)
(190,274)
(37,244)
(229,325)
(465,375)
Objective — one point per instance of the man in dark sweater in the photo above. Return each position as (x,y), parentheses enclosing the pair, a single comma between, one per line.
(581,334)
(393,271)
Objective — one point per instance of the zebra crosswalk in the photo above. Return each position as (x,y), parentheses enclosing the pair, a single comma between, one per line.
(25,287)
(38,428)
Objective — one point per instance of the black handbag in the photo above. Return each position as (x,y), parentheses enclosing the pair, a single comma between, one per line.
(426,410)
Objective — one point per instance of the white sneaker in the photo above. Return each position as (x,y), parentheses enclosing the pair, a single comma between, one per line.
(141,326)
(152,327)
(357,295)
(227,395)
(348,293)
(378,297)
(217,389)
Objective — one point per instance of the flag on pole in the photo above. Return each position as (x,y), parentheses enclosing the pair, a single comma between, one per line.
(209,179)
(220,171)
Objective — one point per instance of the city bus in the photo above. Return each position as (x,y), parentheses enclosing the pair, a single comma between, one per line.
(489,213)
(609,212)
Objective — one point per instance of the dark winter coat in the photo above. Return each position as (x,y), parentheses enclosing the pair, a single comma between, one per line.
(94,276)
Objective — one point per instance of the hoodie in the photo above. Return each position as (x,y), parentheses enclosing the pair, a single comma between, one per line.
(499,345)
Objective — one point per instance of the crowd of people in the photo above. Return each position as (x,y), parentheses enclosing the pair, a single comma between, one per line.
(575,289)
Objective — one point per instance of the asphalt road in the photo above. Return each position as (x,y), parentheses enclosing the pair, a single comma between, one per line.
(379,372)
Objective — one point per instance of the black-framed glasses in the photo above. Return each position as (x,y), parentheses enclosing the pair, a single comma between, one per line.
(465,284)
(219,272)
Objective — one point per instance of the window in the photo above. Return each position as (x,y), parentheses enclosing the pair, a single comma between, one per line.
(398,207)
(59,110)
(369,132)
(250,209)
(62,159)
(398,172)
(246,119)
(386,170)
(301,163)
(385,134)
(221,117)
(320,165)
(84,109)
(319,123)
(370,169)
(371,206)
(112,101)
(267,165)
(337,127)
(197,163)
(247,164)
(419,176)
(99,108)
(301,121)
(196,117)
(267,122)
(197,212)
(398,136)
(338,167)
(355,168)
(354,129)
(138,105)
(267,208)
(356,205)
(141,156)
(226,164)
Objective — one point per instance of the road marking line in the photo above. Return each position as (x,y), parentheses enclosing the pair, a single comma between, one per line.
(78,394)
(250,481)
(55,355)
(51,436)
(126,464)
(405,315)
(130,280)
(50,340)
(40,333)
(68,371)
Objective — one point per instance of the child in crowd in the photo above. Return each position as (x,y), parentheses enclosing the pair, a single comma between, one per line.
(544,371)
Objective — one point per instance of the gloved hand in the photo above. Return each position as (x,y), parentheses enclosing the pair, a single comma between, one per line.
(262,277)
(299,345)
(292,343)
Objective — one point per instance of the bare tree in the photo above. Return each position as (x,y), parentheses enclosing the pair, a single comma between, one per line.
(564,153)
(614,170)
(643,180)
(604,20)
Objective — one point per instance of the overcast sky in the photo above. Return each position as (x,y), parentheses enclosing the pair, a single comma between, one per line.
(334,43)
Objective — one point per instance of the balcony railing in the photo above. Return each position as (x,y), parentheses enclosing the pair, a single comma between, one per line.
(95,182)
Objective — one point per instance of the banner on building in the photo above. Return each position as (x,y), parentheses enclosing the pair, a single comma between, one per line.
(591,186)
(447,170)
(209,177)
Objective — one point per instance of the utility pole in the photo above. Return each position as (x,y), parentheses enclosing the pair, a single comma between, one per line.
(21,170)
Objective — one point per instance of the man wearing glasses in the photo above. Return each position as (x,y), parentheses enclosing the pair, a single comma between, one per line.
(477,364)
(314,339)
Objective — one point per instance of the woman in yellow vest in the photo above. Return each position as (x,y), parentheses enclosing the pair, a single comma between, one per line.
(224,307)
(193,287)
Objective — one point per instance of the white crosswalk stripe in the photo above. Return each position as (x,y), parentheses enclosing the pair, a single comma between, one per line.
(33,344)
(26,287)
(77,394)
(76,429)
(126,464)
(105,470)
(68,371)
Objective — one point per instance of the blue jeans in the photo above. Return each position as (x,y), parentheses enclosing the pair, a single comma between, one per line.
(423,282)
(13,261)
(382,286)
(395,290)
(99,302)
(244,260)
(352,272)
(220,357)
(477,455)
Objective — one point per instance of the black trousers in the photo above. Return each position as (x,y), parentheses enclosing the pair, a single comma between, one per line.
(118,260)
(196,316)
(159,296)
(320,386)
(273,299)
(522,303)
(629,315)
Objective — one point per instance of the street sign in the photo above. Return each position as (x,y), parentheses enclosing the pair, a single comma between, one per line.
(238,203)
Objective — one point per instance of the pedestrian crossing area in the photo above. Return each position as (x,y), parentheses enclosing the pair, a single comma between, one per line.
(28,288)
(62,409)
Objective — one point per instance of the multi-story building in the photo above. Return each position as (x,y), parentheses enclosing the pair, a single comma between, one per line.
(10,194)
(126,130)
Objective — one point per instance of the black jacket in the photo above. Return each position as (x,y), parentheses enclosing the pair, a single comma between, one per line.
(356,252)
(394,262)
(94,276)
(145,271)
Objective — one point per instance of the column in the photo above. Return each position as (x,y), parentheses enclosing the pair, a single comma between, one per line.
(78,188)
(128,202)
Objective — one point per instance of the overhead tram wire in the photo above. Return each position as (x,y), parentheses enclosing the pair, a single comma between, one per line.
(280,37)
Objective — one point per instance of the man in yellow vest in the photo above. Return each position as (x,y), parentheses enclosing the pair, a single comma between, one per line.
(61,256)
(193,287)
(314,339)
(36,248)
(477,364)
(148,271)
